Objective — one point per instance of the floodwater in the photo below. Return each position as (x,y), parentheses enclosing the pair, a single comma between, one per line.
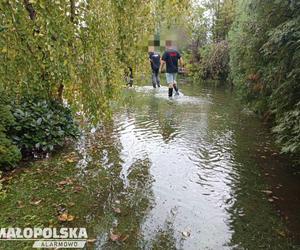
(198,172)
(187,173)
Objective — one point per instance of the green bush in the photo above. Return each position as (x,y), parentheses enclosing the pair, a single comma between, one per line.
(41,126)
(9,153)
(214,62)
(32,126)
(265,63)
(288,130)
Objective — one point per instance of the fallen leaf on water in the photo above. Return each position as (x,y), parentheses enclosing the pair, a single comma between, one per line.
(186,233)
(117,210)
(65,217)
(114,237)
(267,191)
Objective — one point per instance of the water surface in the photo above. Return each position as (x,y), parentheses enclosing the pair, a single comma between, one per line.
(185,173)
(196,172)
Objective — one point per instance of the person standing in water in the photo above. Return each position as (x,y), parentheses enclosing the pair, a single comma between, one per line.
(170,58)
(129,77)
(154,58)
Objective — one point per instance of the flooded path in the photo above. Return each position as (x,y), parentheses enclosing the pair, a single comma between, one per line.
(192,164)
(187,173)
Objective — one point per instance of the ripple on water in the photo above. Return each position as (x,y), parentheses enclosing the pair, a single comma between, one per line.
(190,169)
(162,93)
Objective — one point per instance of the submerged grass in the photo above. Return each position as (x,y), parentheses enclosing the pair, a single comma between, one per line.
(37,194)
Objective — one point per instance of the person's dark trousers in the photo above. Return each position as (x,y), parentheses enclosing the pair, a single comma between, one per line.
(129,77)
(170,92)
(175,88)
(155,78)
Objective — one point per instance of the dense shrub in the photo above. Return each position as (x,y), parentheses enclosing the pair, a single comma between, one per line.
(33,126)
(9,153)
(288,130)
(213,63)
(42,125)
(283,72)
(265,63)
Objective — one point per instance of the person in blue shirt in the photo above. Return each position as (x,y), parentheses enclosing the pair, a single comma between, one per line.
(154,58)
(170,58)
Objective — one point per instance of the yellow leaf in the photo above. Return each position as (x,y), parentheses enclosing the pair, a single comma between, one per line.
(65,217)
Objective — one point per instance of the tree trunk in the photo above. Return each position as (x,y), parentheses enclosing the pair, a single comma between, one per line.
(72,17)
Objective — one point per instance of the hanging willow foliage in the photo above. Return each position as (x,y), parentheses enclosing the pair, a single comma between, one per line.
(76,48)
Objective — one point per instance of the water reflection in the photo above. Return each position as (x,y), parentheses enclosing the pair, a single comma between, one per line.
(115,203)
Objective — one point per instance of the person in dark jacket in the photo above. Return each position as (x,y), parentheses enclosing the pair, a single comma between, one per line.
(170,58)
(129,77)
(154,58)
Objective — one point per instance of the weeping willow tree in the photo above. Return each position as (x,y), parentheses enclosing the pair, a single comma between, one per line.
(76,49)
